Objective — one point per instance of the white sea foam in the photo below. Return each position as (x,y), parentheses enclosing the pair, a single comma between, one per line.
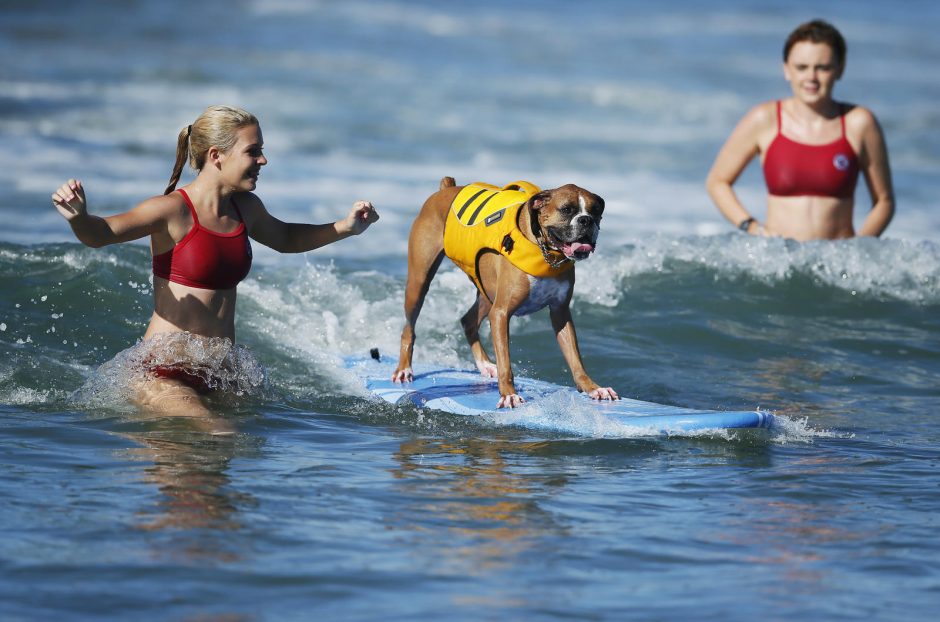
(865,267)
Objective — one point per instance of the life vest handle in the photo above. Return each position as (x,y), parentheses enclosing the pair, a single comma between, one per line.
(523,186)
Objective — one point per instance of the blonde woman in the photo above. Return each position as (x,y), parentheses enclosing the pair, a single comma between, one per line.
(199,238)
(812,149)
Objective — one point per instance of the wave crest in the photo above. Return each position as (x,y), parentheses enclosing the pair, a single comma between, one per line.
(867,267)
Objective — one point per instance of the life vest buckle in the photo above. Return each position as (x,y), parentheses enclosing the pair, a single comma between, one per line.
(507,243)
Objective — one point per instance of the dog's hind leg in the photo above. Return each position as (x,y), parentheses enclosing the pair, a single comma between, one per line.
(471,322)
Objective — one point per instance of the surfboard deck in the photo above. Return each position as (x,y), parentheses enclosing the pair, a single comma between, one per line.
(465,392)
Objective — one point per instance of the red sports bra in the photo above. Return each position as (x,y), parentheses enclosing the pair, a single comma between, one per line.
(794,169)
(206,259)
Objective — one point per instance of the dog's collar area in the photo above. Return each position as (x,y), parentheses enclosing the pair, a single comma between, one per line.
(551,255)
(548,254)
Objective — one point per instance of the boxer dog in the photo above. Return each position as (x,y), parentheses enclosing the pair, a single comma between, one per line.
(518,245)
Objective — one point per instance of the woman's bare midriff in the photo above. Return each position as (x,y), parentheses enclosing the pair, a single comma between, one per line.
(809,218)
(178,308)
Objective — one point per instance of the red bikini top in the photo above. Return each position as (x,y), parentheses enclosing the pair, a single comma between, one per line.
(206,259)
(794,169)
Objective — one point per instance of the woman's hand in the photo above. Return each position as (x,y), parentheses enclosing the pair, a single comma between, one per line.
(760,230)
(69,199)
(360,217)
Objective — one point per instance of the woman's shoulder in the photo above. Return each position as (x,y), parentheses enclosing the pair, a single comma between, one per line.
(762,115)
(165,205)
(248,203)
(250,206)
(858,119)
(857,113)
(758,122)
(163,210)
(767,110)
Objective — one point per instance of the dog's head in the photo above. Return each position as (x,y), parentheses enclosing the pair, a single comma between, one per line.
(569,218)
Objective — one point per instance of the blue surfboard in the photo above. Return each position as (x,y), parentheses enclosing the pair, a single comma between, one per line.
(547,406)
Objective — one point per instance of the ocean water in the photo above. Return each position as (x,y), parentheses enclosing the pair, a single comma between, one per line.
(326,504)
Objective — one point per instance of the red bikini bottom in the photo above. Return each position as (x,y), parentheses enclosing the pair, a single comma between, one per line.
(183,375)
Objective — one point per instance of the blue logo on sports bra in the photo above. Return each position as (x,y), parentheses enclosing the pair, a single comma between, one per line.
(840,161)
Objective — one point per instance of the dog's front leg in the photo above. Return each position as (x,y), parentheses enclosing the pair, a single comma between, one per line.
(499,331)
(563,325)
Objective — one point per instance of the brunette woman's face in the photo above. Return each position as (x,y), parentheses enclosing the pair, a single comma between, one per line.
(812,70)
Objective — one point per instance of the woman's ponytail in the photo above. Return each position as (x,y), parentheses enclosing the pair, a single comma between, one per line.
(182,153)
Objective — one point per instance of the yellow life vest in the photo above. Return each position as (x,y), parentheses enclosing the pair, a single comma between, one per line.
(483,218)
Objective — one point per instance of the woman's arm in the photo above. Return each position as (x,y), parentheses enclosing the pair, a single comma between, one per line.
(741,147)
(877,171)
(97,231)
(299,237)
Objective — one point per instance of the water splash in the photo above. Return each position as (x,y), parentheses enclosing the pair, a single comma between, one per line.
(217,362)
(570,414)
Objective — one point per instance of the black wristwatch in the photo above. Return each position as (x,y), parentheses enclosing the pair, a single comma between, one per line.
(745,224)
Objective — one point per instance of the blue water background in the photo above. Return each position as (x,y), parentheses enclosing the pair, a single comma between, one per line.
(328,504)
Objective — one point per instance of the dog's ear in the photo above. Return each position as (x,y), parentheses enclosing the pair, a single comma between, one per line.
(538,201)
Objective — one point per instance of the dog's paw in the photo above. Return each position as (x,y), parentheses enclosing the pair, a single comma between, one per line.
(510,401)
(403,375)
(604,393)
(487,369)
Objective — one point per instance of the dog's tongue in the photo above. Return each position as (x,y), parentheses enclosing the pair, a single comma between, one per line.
(578,250)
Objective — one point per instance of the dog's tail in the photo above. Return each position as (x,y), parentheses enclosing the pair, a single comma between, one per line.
(447,182)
